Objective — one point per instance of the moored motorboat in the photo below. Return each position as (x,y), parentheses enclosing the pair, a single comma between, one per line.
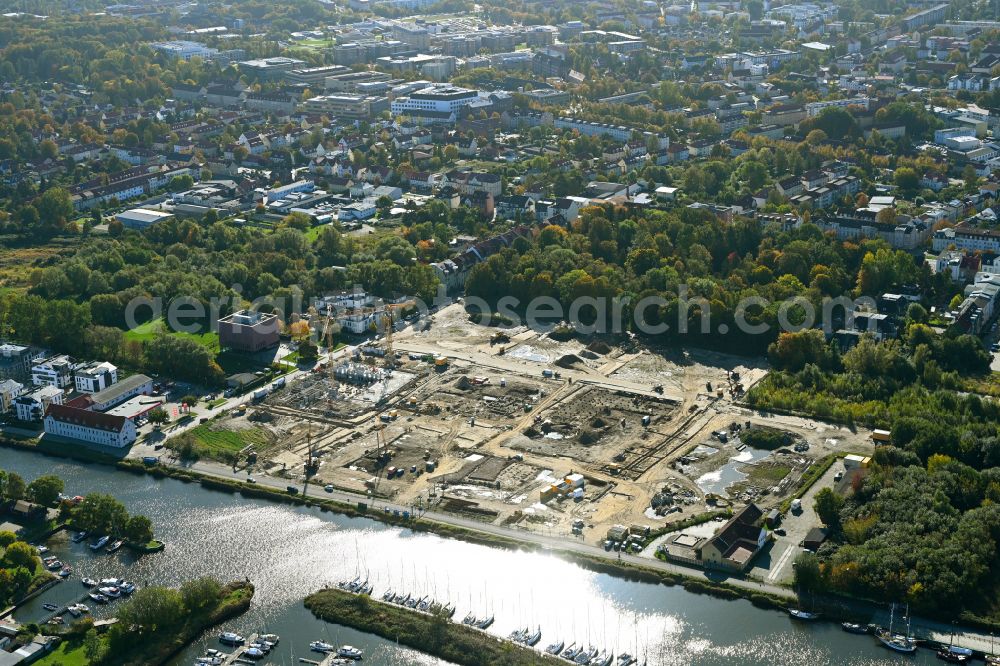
(114,547)
(111,592)
(270,638)
(100,543)
(78,537)
(854,628)
(98,598)
(254,653)
(88,582)
(802,615)
(50,607)
(350,652)
(231,638)
(320,646)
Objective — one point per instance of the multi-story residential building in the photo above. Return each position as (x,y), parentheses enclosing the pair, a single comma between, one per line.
(15,362)
(931,16)
(909,234)
(31,407)
(964,237)
(9,389)
(95,377)
(56,371)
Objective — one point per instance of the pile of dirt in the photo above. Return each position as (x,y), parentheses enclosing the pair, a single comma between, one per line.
(599,347)
(568,360)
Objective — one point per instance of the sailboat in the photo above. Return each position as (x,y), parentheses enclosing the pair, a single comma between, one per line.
(903,644)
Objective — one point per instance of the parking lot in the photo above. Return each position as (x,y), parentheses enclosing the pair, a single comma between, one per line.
(774,565)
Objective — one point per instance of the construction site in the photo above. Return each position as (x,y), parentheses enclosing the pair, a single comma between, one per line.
(568,437)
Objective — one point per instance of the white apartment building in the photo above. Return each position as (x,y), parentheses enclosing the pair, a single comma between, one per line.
(95,377)
(32,407)
(56,371)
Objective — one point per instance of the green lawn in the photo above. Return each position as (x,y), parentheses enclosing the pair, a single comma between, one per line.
(768,474)
(150,329)
(222,441)
(67,654)
(313,43)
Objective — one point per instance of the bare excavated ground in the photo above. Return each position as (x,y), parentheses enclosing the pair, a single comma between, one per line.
(594,425)
(498,433)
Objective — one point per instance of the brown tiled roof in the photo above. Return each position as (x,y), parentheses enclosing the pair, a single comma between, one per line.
(84,417)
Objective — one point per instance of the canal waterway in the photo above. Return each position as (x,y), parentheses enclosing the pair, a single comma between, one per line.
(289,552)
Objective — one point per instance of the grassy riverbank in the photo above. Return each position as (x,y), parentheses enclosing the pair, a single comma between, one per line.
(430,634)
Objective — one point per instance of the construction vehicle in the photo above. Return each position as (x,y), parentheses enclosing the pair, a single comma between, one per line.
(498,338)
(440,362)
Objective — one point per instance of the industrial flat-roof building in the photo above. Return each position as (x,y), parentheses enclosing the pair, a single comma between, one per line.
(120,392)
(141,218)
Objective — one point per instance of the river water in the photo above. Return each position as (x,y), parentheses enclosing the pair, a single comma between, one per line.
(289,552)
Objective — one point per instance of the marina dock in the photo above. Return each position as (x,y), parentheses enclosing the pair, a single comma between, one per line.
(236,657)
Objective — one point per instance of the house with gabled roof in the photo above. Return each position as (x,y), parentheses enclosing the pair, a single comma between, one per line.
(738,542)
